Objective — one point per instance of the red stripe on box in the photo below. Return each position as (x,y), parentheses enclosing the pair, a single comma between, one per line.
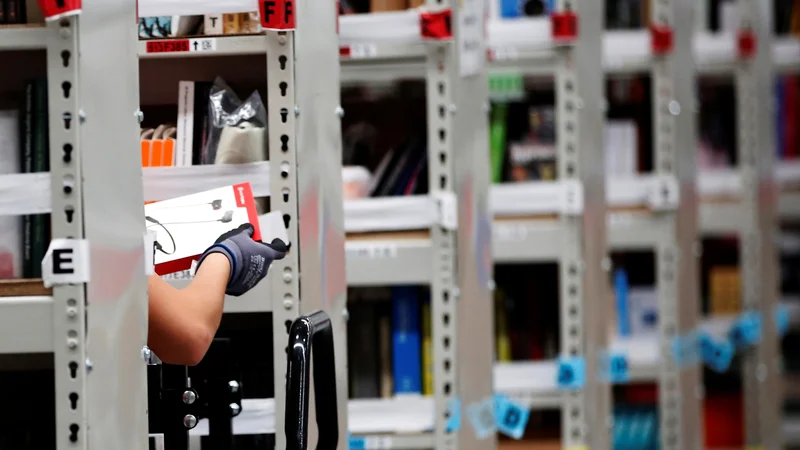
(245,199)
(176,265)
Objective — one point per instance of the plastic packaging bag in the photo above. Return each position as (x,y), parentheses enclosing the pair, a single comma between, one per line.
(237,131)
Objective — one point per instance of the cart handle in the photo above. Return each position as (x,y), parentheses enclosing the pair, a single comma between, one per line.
(307,332)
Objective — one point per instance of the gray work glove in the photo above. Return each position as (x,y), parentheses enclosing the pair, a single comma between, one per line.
(249,259)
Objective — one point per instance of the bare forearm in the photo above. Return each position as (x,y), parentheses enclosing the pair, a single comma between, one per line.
(183,321)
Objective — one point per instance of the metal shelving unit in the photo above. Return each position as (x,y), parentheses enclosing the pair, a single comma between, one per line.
(443,239)
(306,172)
(111,309)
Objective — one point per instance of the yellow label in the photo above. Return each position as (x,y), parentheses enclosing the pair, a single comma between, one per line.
(754,447)
(578,447)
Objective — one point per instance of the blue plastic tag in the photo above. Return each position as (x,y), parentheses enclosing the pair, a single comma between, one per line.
(571,373)
(454,420)
(685,350)
(481,416)
(717,354)
(782,320)
(510,417)
(614,368)
(356,443)
(746,330)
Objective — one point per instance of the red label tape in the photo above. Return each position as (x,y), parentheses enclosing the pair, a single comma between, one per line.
(277,14)
(58,9)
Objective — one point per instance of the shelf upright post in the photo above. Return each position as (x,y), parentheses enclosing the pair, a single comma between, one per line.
(306,184)
(755,105)
(579,84)
(468,139)
(100,327)
(675,200)
(440,77)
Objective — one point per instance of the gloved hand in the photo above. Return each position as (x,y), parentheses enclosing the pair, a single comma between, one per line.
(249,259)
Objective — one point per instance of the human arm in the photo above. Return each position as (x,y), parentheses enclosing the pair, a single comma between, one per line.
(183,322)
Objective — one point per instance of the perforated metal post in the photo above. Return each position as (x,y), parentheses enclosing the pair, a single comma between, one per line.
(755,106)
(285,274)
(69,301)
(578,29)
(441,68)
(674,141)
(106,137)
(319,171)
(468,138)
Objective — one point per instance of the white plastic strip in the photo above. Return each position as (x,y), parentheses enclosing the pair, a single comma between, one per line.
(22,194)
(155,8)
(390,214)
(162,183)
(400,27)
(412,414)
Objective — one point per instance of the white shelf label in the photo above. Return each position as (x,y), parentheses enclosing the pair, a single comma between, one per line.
(361,51)
(510,232)
(571,203)
(373,251)
(472,30)
(66,262)
(378,442)
(505,53)
(448,210)
(150,252)
(664,194)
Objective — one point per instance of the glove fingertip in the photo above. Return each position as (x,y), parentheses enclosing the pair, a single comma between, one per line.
(279,246)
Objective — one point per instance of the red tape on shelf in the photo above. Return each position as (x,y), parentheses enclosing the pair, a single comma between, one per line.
(58,9)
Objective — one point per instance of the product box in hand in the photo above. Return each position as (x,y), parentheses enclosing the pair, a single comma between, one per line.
(186,226)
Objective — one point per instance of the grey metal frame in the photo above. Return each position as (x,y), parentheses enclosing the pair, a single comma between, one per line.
(306,186)
(674,141)
(106,344)
(584,254)
(755,104)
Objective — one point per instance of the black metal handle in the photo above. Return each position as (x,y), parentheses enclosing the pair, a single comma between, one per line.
(307,332)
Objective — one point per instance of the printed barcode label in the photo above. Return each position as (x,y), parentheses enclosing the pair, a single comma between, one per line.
(363,51)
(510,232)
(182,45)
(373,251)
(378,442)
(505,53)
(182,275)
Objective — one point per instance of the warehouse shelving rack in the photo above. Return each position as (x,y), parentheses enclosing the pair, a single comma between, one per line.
(96,330)
(308,136)
(384,47)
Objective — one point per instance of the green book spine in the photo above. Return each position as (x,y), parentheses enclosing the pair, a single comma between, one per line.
(497,140)
(41,159)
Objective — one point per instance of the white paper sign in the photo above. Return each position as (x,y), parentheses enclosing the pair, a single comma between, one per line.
(471,37)
(66,262)
(448,210)
(272,227)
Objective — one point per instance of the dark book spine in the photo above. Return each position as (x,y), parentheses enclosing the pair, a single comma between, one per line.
(26,140)
(41,158)
(12,11)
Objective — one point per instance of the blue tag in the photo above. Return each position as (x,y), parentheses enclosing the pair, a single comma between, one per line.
(571,374)
(685,351)
(481,416)
(511,417)
(356,443)
(454,420)
(717,355)
(614,368)
(746,330)
(782,320)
